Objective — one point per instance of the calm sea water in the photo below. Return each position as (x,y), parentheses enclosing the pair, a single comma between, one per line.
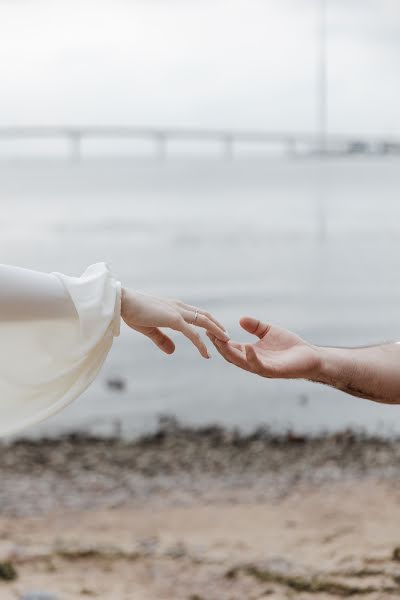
(311,245)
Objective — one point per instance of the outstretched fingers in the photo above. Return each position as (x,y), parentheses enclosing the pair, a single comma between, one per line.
(214,340)
(194,309)
(254,363)
(270,368)
(233,353)
(241,355)
(193,336)
(206,323)
(161,340)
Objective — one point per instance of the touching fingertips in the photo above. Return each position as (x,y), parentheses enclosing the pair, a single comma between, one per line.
(222,338)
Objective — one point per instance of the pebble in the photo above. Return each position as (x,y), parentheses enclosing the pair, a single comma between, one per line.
(116,383)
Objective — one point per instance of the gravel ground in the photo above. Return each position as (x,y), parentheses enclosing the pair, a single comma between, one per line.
(201,514)
(178,465)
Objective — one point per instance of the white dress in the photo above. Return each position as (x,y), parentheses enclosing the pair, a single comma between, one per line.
(55,333)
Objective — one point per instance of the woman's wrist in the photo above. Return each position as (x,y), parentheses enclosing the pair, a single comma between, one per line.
(123,300)
(117,309)
(126,302)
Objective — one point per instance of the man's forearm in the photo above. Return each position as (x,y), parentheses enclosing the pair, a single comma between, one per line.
(372,372)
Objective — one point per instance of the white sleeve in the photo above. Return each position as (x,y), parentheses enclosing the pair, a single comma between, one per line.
(55,333)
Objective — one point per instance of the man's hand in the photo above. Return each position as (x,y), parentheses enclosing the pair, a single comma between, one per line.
(279,353)
(372,372)
(146,314)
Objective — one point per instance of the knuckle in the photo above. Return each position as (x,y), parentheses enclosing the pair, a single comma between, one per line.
(265,330)
(177,320)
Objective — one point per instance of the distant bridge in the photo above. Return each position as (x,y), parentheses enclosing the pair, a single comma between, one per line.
(230,141)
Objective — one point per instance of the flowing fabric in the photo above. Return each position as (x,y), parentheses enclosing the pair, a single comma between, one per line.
(55,334)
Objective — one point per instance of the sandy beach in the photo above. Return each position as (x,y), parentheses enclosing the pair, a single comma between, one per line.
(201,515)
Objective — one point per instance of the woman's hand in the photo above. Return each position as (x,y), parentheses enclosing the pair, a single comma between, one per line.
(146,314)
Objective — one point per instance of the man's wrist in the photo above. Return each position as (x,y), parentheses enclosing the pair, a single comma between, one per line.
(334,365)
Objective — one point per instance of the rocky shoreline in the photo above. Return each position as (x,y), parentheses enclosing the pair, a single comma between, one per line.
(178,465)
(200,514)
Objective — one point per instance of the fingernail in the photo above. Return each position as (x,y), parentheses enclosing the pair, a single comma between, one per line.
(209,355)
(226,337)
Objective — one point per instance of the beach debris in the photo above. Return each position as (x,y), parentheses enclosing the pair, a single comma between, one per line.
(177,550)
(168,423)
(7,571)
(303,399)
(396,554)
(305,583)
(116,383)
(148,546)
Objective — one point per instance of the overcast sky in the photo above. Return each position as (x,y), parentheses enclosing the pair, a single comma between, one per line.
(234,63)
